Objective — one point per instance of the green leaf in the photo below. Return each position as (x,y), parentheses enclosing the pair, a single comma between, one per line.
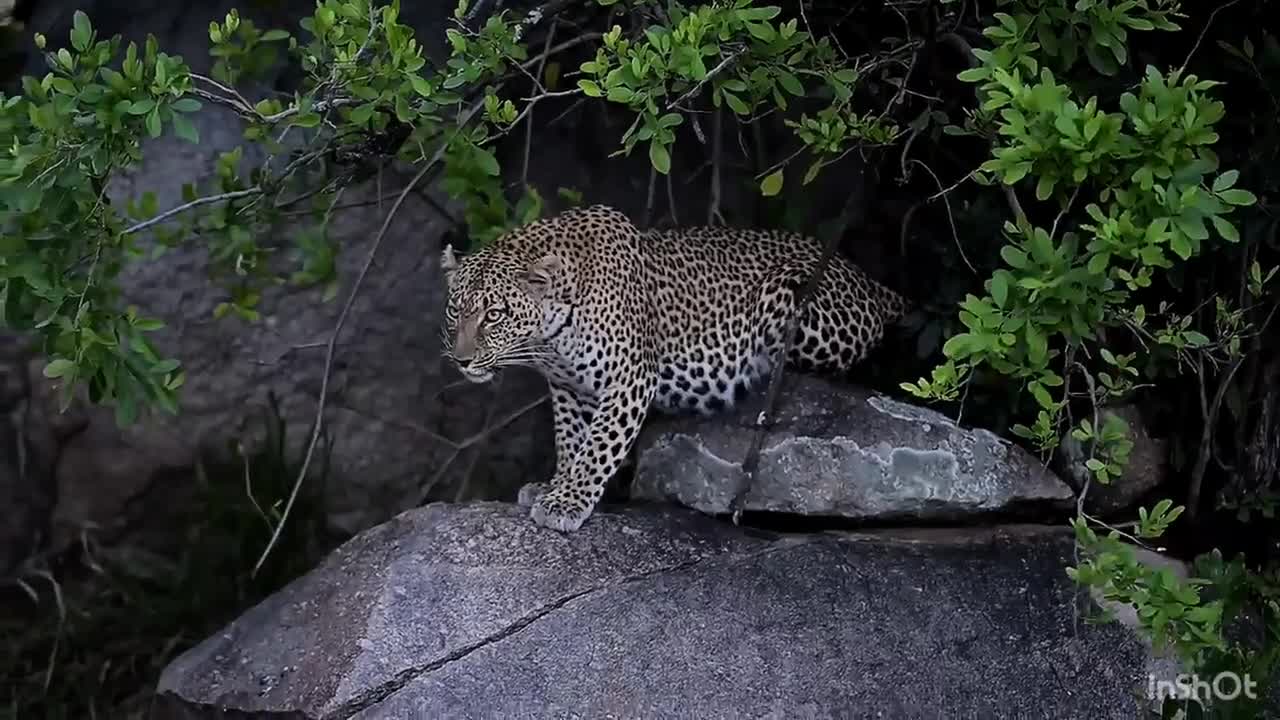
(772,185)
(660,157)
(487,162)
(1225,180)
(790,83)
(59,367)
(1016,258)
(185,105)
(141,107)
(735,103)
(1238,197)
(1044,187)
(1037,346)
(420,85)
(361,114)
(183,128)
(1180,245)
(81,31)
(1041,395)
(760,31)
(273,35)
(153,123)
(590,88)
(1225,229)
(1000,288)
(1195,338)
(306,120)
(403,112)
(165,367)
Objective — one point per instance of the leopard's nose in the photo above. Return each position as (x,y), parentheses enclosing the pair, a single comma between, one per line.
(464,350)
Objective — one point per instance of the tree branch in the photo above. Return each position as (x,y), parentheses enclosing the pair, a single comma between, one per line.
(330,351)
(188,206)
(719,68)
(1210,412)
(765,419)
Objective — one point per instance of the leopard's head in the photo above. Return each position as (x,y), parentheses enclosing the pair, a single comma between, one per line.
(494,314)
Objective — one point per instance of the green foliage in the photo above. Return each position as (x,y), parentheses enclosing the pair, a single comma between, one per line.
(1063,30)
(1153,191)
(1192,617)
(748,63)
(63,244)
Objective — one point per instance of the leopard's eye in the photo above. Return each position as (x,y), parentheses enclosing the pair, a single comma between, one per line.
(495,314)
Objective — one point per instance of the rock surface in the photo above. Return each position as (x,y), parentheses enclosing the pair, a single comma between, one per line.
(470,611)
(836,450)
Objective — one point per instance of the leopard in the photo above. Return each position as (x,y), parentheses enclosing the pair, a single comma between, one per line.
(622,322)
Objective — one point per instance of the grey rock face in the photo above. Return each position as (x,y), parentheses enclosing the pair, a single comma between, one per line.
(842,451)
(470,611)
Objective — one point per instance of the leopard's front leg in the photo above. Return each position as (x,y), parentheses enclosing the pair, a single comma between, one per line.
(571,414)
(611,432)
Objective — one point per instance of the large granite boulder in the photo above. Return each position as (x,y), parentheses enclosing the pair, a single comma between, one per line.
(837,450)
(471,611)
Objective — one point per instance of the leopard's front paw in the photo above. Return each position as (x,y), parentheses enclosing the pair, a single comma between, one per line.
(552,510)
(530,493)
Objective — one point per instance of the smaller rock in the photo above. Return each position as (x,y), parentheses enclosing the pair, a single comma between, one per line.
(843,451)
(1146,470)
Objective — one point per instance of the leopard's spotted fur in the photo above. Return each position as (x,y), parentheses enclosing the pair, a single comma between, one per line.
(620,321)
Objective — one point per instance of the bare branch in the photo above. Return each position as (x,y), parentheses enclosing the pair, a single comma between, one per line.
(1210,412)
(484,433)
(1200,38)
(752,460)
(318,424)
(717,142)
(963,46)
(208,200)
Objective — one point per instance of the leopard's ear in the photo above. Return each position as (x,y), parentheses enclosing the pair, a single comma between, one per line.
(541,272)
(448,261)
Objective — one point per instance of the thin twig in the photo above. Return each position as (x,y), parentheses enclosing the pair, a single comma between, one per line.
(713,207)
(1199,39)
(946,202)
(648,203)
(1210,412)
(765,419)
(465,484)
(963,45)
(459,446)
(330,351)
(207,200)
(537,79)
(671,202)
(711,74)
